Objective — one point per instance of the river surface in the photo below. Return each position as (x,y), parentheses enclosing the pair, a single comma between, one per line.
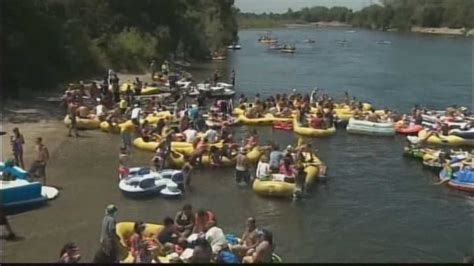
(376,205)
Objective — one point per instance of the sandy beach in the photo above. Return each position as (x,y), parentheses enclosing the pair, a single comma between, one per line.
(441,31)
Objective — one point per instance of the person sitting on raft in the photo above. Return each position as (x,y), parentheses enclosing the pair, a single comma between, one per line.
(317,121)
(276,156)
(145,131)
(169,236)
(211,136)
(263,168)
(373,116)
(203,221)
(248,241)
(251,111)
(264,249)
(191,134)
(185,221)
(286,168)
(137,240)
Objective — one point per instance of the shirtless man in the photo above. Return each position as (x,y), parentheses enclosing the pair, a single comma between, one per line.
(263,251)
(249,239)
(72,113)
(242,166)
(373,117)
(38,169)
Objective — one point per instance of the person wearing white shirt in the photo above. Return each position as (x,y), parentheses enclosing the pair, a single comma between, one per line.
(100,111)
(191,134)
(215,236)
(263,168)
(136,113)
(211,135)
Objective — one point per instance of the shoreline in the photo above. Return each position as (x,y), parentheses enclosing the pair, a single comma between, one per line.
(464,32)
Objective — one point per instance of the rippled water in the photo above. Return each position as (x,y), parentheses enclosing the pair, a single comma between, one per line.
(376,205)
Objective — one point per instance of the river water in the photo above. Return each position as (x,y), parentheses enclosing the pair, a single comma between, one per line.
(376,205)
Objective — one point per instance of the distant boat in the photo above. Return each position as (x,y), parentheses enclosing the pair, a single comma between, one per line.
(234,47)
(309,41)
(274,47)
(350,31)
(288,49)
(265,40)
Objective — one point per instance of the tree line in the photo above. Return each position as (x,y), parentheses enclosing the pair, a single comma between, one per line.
(49,41)
(388,14)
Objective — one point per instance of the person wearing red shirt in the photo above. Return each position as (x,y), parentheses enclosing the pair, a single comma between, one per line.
(203,221)
(317,121)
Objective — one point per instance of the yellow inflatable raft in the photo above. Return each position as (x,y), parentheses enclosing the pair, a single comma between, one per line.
(444,140)
(176,159)
(238,111)
(266,120)
(124,231)
(148,90)
(177,146)
(280,188)
(83,123)
(105,127)
(312,132)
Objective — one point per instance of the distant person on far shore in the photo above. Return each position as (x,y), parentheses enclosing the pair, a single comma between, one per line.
(17,142)
(153,68)
(38,169)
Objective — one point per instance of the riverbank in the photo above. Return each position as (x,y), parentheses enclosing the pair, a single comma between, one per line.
(256,24)
(444,31)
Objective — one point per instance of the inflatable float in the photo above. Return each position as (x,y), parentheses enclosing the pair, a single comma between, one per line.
(280,186)
(370,128)
(444,140)
(83,123)
(312,132)
(411,129)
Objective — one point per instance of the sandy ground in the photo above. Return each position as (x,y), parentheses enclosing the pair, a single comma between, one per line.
(443,30)
(41,117)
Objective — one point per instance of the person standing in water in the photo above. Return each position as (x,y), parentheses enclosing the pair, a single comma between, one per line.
(232,77)
(38,169)
(72,113)
(17,142)
(108,237)
(242,167)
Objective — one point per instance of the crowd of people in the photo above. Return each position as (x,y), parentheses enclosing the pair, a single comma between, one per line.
(283,105)
(191,236)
